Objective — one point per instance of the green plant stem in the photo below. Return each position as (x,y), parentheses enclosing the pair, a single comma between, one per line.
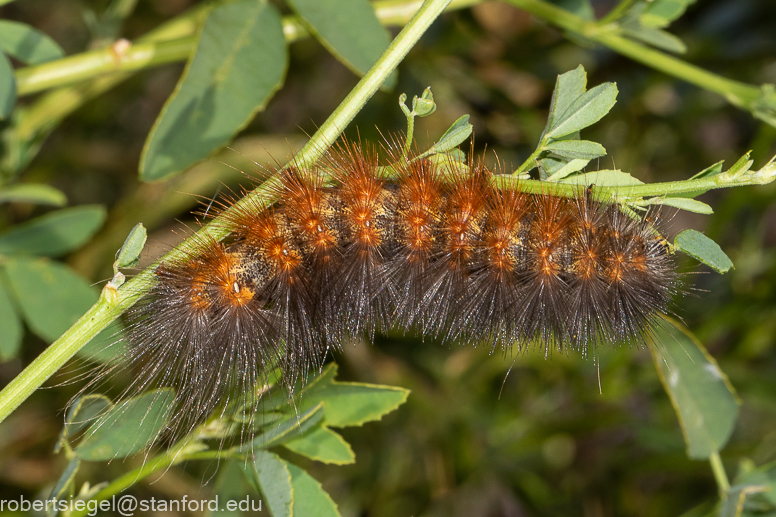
(150,466)
(530,162)
(112,303)
(719,475)
(167,46)
(740,94)
(627,193)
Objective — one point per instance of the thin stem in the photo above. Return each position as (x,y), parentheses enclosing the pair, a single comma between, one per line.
(158,463)
(738,93)
(166,46)
(530,162)
(112,303)
(720,476)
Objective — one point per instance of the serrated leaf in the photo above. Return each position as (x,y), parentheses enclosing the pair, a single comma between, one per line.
(239,63)
(11,333)
(63,487)
(7,87)
(691,205)
(700,392)
(28,44)
(353,404)
(712,170)
(128,427)
(38,194)
(291,427)
(603,178)
(577,164)
(568,87)
(50,295)
(349,29)
(658,38)
(129,254)
(700,247)
(585,110)
(271,477)
(54,234)
(324,445)
(310,499)
(81,414)
(571,149)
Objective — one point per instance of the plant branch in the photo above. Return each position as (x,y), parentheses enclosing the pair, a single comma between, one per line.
(739,94)
(112,302)
(167,46)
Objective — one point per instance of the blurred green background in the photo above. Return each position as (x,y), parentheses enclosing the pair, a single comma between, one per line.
(481,435)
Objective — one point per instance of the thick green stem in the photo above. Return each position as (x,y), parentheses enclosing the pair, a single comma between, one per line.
(112,303)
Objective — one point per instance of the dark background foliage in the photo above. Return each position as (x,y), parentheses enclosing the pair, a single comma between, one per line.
(481,434)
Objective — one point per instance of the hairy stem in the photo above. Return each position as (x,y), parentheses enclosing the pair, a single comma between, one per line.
(112,303)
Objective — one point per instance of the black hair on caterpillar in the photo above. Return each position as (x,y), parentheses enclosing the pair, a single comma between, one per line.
(347,252)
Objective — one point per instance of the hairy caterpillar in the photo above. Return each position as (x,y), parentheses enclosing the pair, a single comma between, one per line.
(437,250)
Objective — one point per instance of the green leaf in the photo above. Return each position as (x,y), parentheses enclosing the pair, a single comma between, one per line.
(658,38)
(763,476)
(741,166)
(583,149)
(129,254)
(34,193)
(50,296)
(566,168)
(455,134)
(54,234)
(310,500)
(691,205)
(323,444)
(712,170)
(64,486)
(568,87)
(585,110)
(733,504)
(128,427)
(80,414)
(11,333)
(289,428)
(240,61)
(271,477)
(27,44)
(7,87)
(603,178)
(349,29)
(660,13)
(703,249)
(352,404)
(231,486)
(701,394)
